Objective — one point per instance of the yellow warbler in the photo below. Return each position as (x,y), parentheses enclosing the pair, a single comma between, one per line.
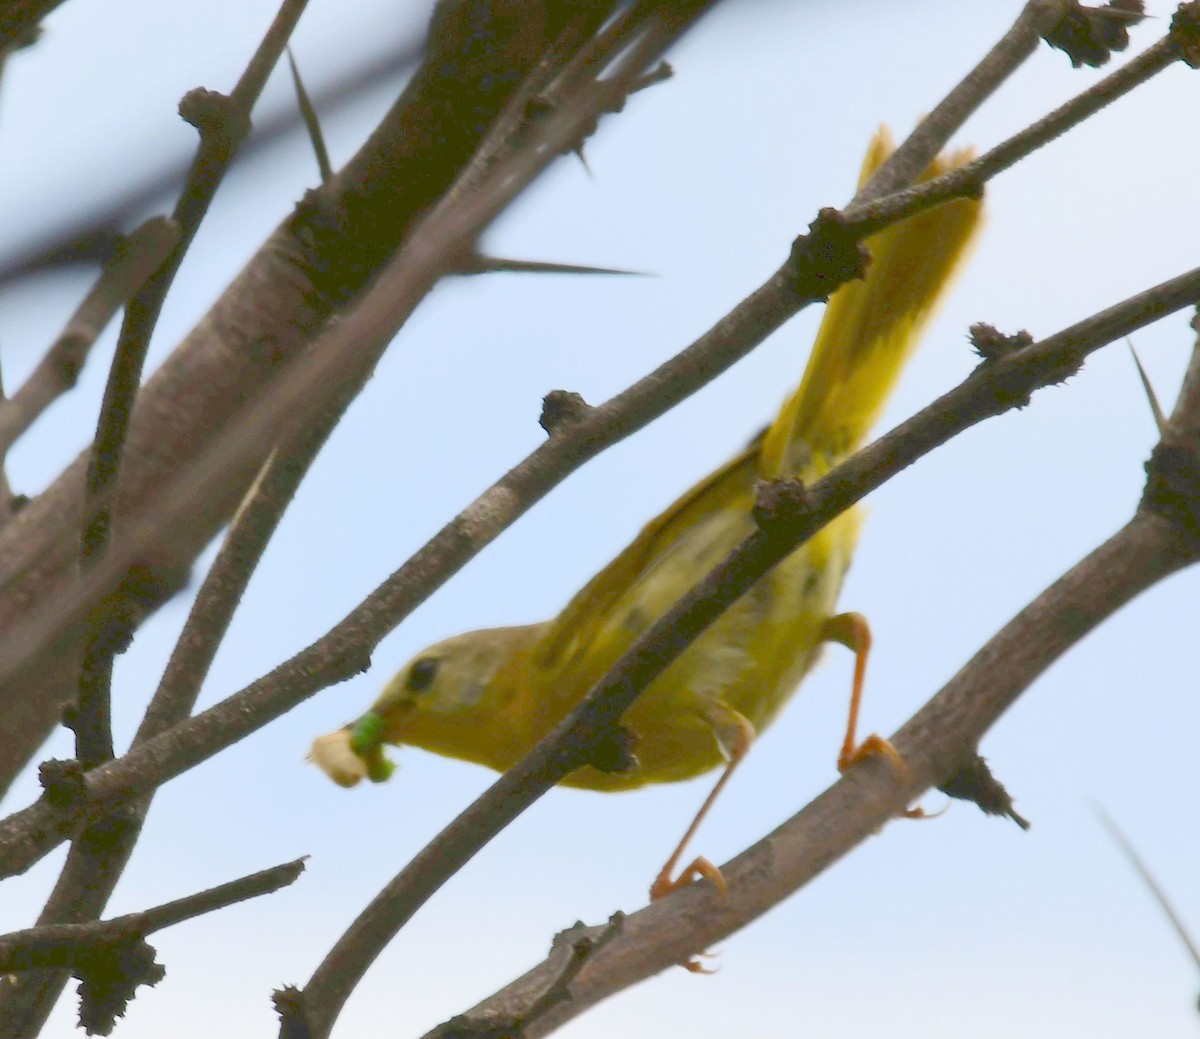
(488,696)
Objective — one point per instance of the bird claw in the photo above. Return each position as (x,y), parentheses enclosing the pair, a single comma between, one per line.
(663,884)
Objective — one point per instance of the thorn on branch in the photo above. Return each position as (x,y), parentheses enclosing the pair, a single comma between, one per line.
(478,263)
(1090,35)
(659,74)
(312,122)
(827,257)
(1185,33)
(562,409)
(1160,419)
(974,782)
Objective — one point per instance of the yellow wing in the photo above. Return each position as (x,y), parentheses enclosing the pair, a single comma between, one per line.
(592,606)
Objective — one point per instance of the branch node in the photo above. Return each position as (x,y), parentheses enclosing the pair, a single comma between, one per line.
(613,751)
(289,1005)
(1090,35)
(349,661)
(974,782)
(62,781)
(562,409)
(830,255)
(991,344)
(1185,33)
(216,116)
(108,979)
(144,588)
(1173,490)
(780,501)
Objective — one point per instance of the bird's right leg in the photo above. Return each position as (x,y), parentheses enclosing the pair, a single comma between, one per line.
(735,735)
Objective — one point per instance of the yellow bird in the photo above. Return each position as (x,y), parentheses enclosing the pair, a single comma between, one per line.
(489,696)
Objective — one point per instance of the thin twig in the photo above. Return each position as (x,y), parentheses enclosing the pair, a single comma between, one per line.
(968,180)
(93,868)
(91,236)
(905,164)
(60,945)
(365,330)
(1152,885)
(224,124)
(319,258)
(135,260)
(570,951)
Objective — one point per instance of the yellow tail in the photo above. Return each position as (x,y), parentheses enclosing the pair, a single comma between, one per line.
(871,326)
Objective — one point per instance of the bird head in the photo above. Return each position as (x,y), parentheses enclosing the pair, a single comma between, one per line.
(459,698)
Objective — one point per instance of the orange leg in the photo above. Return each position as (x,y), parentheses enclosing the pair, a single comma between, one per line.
(852,631)
(736,735)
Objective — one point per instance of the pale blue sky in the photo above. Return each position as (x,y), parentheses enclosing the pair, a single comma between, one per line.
(963,925)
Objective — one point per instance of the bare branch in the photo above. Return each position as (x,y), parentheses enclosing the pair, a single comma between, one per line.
(111,958)
(100,852)
(1037,17)
(95,864)
(60,945)
(136,258)
(968,180)
(224,123)
(314,263)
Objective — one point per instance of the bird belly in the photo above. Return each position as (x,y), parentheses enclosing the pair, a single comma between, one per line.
(751,660)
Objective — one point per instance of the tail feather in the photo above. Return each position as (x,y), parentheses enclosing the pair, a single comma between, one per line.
(871,327)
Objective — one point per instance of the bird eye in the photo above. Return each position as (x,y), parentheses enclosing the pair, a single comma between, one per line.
(420,675)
